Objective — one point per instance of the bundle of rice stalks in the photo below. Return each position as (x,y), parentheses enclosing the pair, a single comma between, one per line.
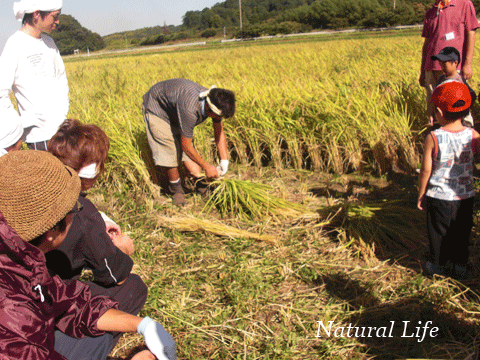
(385,225)
(248,199)
(191,224)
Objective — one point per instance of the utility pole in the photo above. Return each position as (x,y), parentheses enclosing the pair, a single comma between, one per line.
(240,7)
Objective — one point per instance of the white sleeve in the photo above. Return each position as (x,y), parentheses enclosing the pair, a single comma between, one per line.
(8,66)
(64,102)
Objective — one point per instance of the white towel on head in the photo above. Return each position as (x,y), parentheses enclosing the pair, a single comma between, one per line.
(10,133)
(29,6)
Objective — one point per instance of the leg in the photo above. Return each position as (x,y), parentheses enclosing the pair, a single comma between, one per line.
(131,296)
(89,348)
(438,222)
(461,230)
(166,151)
(431,80)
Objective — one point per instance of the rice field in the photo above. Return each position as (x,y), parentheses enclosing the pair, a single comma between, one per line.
(321,129)
(335,106)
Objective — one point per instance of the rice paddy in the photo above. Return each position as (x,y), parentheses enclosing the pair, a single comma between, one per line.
(316,219)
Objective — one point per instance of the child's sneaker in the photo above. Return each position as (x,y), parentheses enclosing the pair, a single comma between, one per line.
(432,269)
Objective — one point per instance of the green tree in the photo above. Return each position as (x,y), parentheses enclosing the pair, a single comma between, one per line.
(70,35)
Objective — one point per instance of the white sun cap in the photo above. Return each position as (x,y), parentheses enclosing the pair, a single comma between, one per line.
(30,6)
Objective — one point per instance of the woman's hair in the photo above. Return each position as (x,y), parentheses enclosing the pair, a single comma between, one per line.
(78,145)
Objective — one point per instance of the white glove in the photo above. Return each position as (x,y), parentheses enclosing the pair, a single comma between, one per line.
(158,341)
(223,167)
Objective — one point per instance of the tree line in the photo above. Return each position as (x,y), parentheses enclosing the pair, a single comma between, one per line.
(70,35)
(270,17)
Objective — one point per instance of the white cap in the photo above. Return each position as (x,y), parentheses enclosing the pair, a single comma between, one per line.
(30,6)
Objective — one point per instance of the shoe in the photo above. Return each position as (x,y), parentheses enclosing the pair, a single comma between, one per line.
(201,187)
(461,271)
(431,269)
(178,193)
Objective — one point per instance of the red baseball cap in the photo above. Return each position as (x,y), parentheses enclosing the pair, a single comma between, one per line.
(452,96)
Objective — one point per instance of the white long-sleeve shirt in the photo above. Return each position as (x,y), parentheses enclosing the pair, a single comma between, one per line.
(33,69)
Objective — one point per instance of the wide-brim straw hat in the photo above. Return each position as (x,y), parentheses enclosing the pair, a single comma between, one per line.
(36,191)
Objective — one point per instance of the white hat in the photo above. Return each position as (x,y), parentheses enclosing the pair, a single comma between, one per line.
(29,6)
(10,133)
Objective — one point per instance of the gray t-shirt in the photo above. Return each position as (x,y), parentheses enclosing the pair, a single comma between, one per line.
(177,101)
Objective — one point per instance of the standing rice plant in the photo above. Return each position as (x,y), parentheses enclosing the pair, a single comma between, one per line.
(295,108)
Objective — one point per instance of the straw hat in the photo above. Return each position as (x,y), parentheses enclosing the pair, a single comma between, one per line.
(36,191)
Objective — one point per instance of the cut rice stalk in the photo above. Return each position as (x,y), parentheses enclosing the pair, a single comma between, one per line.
(252,200)
(191,224)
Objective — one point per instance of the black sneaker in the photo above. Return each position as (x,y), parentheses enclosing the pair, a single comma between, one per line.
(178,193)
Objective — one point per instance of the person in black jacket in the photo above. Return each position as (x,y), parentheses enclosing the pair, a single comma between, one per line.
(93,243)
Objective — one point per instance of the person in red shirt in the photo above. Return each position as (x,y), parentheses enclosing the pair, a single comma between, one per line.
(449,23)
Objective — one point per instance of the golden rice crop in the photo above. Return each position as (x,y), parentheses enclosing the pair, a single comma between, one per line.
(316,105)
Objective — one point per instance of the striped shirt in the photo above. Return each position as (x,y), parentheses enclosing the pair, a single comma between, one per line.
(177,102)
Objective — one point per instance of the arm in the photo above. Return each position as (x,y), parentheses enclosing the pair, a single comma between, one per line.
(476,146)
(421,79)
(157,339)
(425,171)
(220,140)
(64,102)
(187,147)
(110,265)
(467,70)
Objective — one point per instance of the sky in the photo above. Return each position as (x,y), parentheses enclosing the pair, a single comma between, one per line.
(110,16)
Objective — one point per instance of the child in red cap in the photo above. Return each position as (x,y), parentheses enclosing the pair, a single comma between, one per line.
(446,181)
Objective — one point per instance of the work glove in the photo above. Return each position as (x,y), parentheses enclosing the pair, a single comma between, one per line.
(223,167)
(158,341)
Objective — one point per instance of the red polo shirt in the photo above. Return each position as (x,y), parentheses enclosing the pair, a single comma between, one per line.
(448,27)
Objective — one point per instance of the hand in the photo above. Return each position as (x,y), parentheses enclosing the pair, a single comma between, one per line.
(113,230)
(158,341)
(223,167)
(143,355)
(421,79)
(467,71)
(211,172)
(422,202)
(124,243)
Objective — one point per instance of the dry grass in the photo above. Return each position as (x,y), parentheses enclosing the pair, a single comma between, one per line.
(235,297)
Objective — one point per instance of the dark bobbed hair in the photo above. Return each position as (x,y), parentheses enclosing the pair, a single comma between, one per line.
(224,100)
(78,145)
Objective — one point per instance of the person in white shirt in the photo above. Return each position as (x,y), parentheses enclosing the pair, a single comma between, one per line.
(31,67)
(10,136)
